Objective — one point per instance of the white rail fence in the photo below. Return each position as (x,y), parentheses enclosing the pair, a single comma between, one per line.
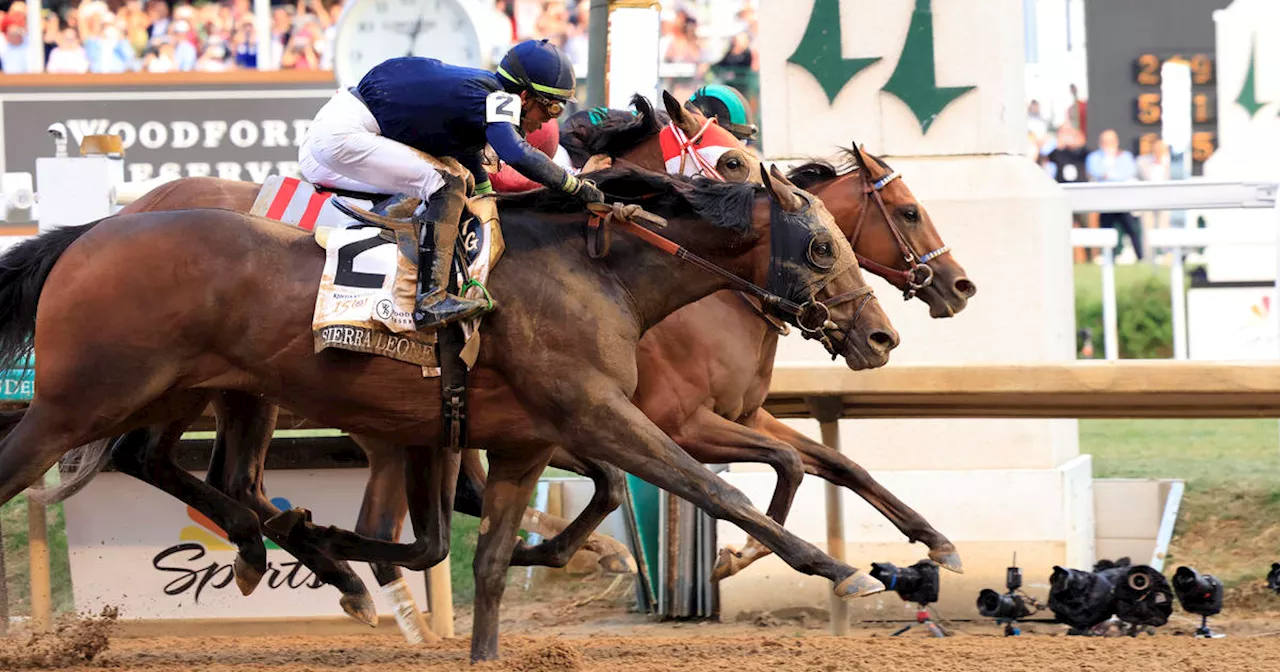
(1190,194)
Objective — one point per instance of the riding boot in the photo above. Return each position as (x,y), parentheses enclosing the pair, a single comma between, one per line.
(437,236)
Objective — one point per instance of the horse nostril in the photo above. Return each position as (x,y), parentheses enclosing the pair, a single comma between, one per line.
(883,341)
(965,287)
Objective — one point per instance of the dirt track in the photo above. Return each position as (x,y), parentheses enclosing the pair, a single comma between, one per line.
(650,647)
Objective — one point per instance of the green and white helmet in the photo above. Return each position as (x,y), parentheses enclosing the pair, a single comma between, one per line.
(728,106)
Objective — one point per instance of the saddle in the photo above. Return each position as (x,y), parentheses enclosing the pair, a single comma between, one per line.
(369,284)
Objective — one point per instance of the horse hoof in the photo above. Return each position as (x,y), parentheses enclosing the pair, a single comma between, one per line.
(949,560)
(247,576)
(284,522)
(360,607)
(618,563)
(726,565)
(859,584)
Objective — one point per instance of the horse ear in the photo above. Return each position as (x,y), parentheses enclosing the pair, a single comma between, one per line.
(867,163)
(777,175)
(780,190)
(677,113)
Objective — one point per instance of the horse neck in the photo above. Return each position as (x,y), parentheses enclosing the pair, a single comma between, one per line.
(647,154)
(653,284)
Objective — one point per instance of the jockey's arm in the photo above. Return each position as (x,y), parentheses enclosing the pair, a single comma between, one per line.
(513,150)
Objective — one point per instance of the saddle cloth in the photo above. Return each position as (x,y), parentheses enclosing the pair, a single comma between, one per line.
(369,284)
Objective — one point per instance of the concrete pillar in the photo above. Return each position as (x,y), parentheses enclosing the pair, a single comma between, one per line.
(935,87)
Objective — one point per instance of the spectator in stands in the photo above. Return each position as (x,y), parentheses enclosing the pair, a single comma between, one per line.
(683,44)
(214,58)
(69,57)
(245,46)
(159,57)
(1078,111)
(1156,166)
(1110,163)
(13,49)
(577,46)
(502,31)
(158,12)
(299,54)
(50,31)
(740,54)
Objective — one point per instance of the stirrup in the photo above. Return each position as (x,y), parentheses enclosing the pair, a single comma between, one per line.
(437,309)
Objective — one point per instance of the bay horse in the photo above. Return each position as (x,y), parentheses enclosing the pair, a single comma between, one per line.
(691,402)
(139,315)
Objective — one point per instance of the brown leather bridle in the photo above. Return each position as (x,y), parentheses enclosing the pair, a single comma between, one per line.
(917,265)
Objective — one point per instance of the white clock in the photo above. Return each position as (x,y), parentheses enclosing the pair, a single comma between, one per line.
(372,31)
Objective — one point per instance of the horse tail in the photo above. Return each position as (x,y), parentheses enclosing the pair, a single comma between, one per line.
(78,467)
(23,270)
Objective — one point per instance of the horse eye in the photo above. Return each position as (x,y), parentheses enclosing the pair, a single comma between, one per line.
(733,164)
(824,249)
(911,215)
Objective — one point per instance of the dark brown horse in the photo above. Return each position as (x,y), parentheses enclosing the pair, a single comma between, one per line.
(691,401)
(140,314)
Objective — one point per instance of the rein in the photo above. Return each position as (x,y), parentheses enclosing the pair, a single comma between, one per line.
(871,191)
(600,238)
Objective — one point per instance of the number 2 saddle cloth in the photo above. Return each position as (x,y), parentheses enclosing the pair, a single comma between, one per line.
(369,284)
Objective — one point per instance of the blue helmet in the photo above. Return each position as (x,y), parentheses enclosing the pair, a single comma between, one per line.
(539,67)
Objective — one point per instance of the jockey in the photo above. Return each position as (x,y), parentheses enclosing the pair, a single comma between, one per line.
(364,139)
(728,106)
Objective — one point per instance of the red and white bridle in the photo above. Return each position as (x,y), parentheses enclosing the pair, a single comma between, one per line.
(697,155)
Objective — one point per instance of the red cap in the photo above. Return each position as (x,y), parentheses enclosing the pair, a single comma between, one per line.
(547,138)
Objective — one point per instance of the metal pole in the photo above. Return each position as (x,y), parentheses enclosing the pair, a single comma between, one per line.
(827,411)
(1178,296)
(35,36)
(262,33)
(38,548)
(1275,309)
(598,54)
(1110,332)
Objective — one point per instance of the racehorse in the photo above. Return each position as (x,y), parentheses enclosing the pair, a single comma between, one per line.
(692,403)
(139,315)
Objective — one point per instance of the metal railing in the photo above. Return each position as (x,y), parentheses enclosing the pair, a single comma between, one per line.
(1190,194)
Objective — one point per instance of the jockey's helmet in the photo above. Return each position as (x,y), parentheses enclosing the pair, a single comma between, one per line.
(728,106)
(539,67)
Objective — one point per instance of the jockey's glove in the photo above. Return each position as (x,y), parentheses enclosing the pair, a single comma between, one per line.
(588,192)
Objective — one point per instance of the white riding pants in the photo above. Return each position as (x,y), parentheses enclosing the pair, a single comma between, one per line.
(344,149)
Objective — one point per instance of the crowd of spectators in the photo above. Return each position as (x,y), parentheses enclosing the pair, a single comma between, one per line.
(111,36)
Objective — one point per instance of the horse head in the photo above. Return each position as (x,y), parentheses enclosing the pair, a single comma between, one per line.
(891,231)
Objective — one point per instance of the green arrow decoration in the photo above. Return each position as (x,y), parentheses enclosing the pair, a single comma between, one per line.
(915,80)
(1248,98)
(820,50)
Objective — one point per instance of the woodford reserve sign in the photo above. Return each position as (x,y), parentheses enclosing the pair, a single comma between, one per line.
(238,126)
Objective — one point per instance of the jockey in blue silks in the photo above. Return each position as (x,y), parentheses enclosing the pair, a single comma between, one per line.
(364,139)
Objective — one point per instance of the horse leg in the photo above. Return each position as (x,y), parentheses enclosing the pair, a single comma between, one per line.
(712,439)
(512,478)
(381,517)
(431,478)
(41,437)
(837,468)
(613,556)
(616,431)
(147,455)
(237,467)
(558,548)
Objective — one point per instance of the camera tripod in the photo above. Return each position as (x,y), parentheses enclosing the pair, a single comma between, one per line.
(1203,632)
(923,617)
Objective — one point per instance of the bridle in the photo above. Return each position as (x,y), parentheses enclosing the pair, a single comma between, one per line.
(918,265)
(812,317)
(689,150)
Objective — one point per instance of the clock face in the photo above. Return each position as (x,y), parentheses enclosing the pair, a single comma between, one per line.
(372,31)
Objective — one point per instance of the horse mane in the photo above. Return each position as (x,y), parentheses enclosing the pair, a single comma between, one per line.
(818,171)
(611,132)
(726,205)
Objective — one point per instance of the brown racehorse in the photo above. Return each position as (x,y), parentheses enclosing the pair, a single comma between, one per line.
(137,311)
(689,401)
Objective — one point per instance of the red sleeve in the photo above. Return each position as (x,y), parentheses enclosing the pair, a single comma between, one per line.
(509,180)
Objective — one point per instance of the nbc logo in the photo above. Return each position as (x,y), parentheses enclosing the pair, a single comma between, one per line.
(191,569)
